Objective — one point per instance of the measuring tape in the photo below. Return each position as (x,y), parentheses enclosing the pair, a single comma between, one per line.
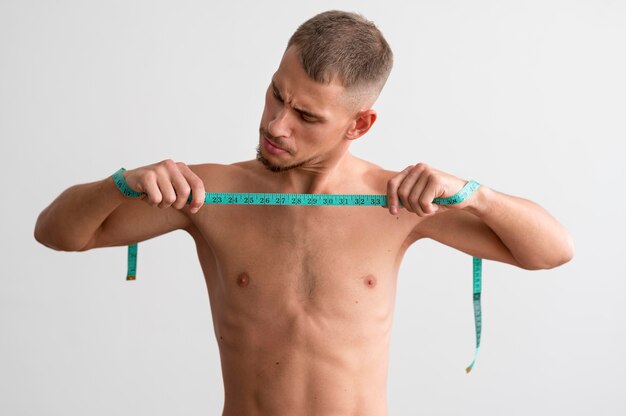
(230,198)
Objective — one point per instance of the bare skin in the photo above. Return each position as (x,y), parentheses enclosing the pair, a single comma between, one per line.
(302,297)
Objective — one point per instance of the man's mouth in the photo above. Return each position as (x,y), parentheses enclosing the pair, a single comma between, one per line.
(271,147)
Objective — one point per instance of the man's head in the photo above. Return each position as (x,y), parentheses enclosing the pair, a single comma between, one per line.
(345,47)
(320,98)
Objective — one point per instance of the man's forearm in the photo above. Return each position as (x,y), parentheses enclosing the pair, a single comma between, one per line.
(72,219)
(535,238)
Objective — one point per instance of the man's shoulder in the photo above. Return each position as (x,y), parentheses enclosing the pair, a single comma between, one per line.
(217,168)
(376,176)
(216,176)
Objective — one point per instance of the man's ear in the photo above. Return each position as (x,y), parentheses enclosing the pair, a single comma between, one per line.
(361,124)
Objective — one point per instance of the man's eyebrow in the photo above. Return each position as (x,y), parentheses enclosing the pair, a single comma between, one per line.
(275,88)
(298,109)
(309,114)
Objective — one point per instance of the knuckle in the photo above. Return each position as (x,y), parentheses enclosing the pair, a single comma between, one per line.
(160,169)
(183,194)
(185,190)
(168,163)
(420,169)
(154,200)
(424,202)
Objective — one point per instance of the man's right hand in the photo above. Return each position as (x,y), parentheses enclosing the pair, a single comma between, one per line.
(96,214)
(167,183)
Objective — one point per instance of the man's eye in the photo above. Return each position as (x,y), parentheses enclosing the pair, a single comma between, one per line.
(277,96)
(306,118)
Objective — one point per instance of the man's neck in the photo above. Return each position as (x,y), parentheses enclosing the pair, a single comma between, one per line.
(318,177)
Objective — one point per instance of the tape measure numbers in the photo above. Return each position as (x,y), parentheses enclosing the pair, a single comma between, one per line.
(229,198)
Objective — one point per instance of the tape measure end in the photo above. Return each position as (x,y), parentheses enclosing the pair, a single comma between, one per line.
(467,370)
(131,277)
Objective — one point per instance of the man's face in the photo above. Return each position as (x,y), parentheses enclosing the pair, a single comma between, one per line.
(304,122)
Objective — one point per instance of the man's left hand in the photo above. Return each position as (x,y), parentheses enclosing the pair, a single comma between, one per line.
(417,186)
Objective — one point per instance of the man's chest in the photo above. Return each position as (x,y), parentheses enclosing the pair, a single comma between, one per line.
(308,251)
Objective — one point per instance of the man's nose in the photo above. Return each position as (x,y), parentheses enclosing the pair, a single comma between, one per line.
(279,126)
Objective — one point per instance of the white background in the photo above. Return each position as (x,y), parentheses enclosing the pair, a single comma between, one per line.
(527,97)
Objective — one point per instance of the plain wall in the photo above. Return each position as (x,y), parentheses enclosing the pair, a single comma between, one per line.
(527,97)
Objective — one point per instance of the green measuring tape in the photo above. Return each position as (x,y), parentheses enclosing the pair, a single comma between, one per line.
(230,198)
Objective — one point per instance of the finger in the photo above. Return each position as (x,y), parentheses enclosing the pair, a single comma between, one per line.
(416,193)
(392,189)
(430,192)
(167,190)
(154,196)
(197,188)
(409,183)
(181,188)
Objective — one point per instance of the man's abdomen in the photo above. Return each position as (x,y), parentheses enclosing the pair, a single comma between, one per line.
(288,353)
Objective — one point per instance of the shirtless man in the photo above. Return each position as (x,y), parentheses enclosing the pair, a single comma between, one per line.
(302,298)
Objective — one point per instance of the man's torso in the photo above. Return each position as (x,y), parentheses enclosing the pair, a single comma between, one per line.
(302,297)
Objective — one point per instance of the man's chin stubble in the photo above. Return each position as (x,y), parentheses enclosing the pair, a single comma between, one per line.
(272,167)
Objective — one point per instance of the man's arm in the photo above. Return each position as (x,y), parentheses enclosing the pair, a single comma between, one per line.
(96,214)
(489,224)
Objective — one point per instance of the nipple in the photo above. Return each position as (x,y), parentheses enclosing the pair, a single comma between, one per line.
(369,280)
(243,280)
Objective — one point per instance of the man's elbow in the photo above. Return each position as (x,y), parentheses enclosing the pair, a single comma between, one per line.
(566,252)
(56,244)
(556,261)
(560,255)
(41,239)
